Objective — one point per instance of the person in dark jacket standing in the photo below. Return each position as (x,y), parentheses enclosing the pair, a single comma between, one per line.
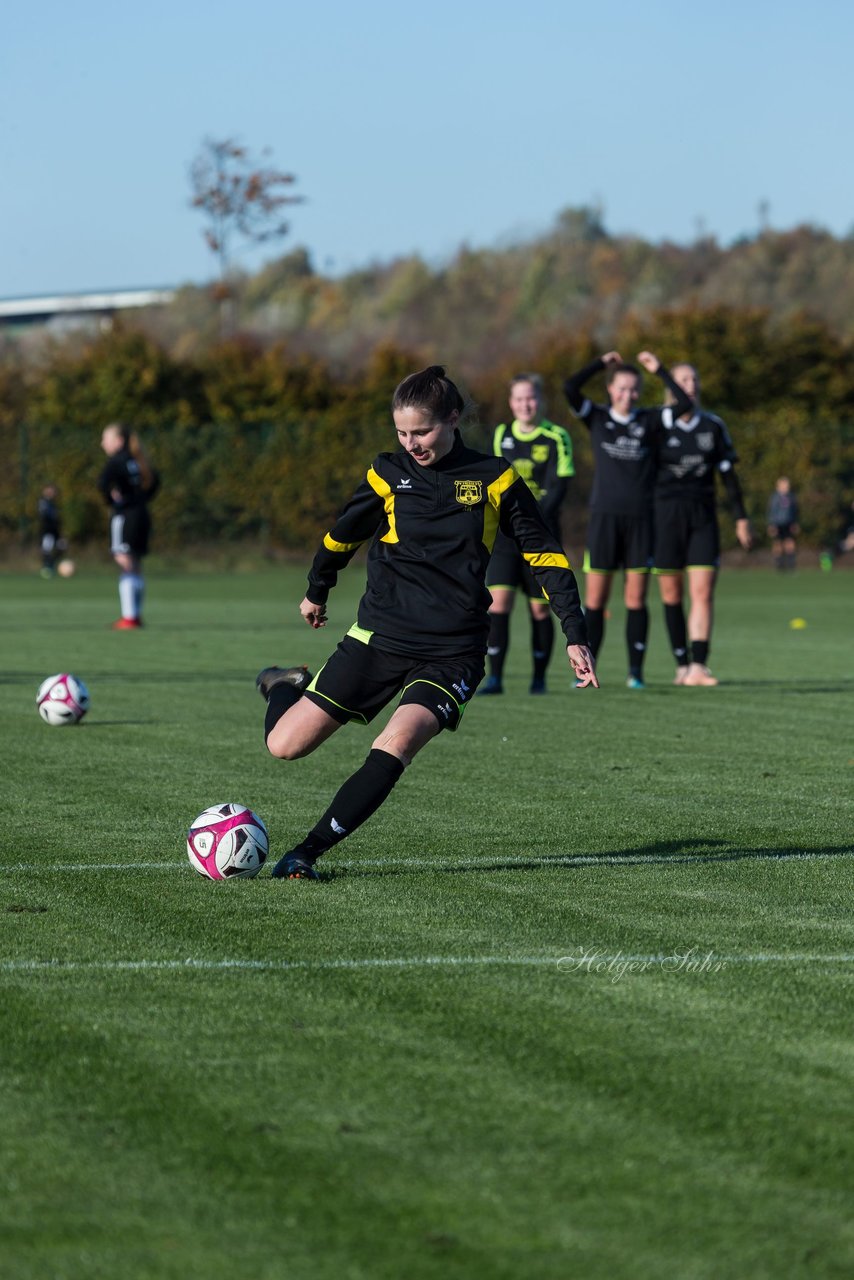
(128,482)
(431,512)
(51,541)
(783,524)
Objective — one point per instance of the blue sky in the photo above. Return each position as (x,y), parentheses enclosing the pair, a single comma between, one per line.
(412,128)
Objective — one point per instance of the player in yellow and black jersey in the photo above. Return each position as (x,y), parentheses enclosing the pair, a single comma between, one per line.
(431,513)
(541,452)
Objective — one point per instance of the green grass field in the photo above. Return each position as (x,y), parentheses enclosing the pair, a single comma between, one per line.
(577,1003)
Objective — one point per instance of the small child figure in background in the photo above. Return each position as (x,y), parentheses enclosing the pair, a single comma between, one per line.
(783,524)
(50,531)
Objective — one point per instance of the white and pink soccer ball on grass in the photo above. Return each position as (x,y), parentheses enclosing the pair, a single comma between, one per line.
(227,841)
(62,699)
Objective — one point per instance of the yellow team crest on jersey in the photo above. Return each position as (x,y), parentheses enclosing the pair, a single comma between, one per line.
(539,453)
(469,492)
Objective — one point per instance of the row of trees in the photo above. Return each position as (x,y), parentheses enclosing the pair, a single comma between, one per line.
(575,278)
(264,442)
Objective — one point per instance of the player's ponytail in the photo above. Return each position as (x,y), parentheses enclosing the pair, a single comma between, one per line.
(131,441)
(146,470)
(431,392)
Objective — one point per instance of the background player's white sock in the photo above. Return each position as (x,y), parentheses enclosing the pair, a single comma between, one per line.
(138,593)
(127,595)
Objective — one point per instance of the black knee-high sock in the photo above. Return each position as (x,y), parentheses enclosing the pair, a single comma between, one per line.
(355,801)
(498,642)
(595,619)
(637,630)
(700,651)
(542,642)
(674,619)
(282,698)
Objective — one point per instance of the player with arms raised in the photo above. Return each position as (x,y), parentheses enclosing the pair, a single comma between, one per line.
(694,447)
(619,535)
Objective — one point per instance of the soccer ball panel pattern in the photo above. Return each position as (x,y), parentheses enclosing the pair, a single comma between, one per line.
(227,841)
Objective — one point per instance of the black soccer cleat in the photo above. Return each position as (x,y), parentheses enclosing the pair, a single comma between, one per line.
(299,677)
(538,685)
(294,867)
(492,684)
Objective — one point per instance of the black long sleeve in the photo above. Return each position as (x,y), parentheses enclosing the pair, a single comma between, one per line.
(574,383)
(732,485)
(552,501)
(682,402)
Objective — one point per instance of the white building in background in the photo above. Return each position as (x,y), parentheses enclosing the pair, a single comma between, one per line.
(61,312)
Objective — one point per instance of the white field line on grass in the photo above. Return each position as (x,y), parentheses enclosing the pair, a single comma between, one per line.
(458,864)
(604,963)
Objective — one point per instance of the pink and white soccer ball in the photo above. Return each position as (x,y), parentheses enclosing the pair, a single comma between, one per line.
(226,841)
(62,699)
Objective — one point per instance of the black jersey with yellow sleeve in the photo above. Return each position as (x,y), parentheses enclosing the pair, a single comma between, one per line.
(431,531)
(543,458)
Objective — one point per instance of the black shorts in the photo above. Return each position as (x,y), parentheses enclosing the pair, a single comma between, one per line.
(359,680)
(618,542)
(784,532)
(686,536)
(129,532)
(509,569)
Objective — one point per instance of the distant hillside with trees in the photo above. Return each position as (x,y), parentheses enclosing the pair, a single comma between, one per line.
(577,278)
(261,437)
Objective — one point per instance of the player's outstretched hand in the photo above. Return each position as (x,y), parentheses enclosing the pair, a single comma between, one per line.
(611,357)
(583,664)
(314,614)
(650,362)
(744,533)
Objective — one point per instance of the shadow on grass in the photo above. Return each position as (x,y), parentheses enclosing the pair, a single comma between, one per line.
(662,853)
(197,676)
(109,724)
(793,685)
(844,684)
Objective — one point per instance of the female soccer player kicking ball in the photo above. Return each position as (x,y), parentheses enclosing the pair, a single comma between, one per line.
(432,511)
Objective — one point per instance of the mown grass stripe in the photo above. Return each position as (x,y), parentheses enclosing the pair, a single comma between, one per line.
(562,964)
(440,864)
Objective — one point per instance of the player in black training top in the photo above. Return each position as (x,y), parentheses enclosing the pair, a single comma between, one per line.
(783,526)
(693,449)
(542,454)
(50,530)
(128,482)
(619,535)
(431,512)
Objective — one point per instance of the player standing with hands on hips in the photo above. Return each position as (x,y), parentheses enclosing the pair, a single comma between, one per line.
(619,534)
(542,454)
(128,483)
(431,511)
